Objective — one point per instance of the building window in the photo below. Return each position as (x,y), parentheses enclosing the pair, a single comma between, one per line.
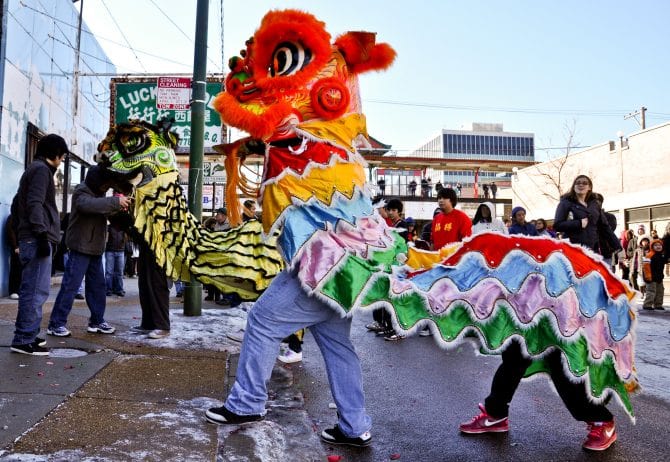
(33,136)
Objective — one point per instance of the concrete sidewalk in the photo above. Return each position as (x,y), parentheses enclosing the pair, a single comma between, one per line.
(125,397)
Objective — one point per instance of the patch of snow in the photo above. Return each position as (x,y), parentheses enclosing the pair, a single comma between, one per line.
(205,332)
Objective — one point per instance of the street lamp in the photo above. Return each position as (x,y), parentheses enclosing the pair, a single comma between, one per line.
(620,135)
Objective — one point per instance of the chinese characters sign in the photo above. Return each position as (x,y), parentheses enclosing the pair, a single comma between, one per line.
(138,100)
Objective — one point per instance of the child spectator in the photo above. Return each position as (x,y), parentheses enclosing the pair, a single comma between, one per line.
(652,271)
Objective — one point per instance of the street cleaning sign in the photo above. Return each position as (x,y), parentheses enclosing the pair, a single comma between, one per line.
(173,93)
(137,98)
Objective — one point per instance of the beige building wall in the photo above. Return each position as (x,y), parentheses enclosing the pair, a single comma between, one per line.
(633,174)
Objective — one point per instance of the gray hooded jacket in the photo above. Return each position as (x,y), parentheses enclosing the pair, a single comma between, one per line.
(87,229)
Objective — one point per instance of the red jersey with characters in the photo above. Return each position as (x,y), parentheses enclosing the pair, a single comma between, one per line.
(449,227)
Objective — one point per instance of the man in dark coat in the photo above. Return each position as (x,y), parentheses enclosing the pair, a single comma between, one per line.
(38,232)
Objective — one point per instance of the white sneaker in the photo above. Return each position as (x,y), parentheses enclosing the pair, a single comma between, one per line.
(102,328)
(290,357)
(14,296)
(237,336)
(61,331)
(158,333)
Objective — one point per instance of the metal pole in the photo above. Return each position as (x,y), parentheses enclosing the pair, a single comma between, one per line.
(75,76)
(75,109)
(193,289)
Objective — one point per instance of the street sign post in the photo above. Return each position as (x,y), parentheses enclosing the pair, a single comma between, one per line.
(173,93)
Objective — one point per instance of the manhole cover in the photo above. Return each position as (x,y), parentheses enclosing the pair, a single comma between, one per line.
(66,353)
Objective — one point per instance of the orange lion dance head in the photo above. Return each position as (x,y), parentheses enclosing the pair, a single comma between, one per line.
(290,73)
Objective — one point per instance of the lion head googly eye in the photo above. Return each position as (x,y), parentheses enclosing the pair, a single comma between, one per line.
(289,58)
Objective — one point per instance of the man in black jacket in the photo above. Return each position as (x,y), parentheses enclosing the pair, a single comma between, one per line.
(38,231)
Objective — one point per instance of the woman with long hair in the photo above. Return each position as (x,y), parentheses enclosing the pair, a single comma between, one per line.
(580,217)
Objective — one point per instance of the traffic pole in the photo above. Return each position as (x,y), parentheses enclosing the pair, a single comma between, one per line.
(193,288)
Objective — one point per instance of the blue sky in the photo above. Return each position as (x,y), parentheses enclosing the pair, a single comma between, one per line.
(534,66)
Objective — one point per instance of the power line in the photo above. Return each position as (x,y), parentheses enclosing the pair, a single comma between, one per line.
(97,58)
(170,19)
(106,39)
(64,73)
(122,34)
(114,64)
(179,28)
(603,113)
(38,44)
(78,50)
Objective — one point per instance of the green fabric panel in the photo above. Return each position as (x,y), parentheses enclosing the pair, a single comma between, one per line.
(349,279)
(411,308)
(347,282)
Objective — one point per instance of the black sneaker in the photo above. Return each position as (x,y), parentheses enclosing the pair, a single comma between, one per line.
(374,326)
(40,342)
(393,337)
(222,416)
(335,436)
(30,349)
(139,330)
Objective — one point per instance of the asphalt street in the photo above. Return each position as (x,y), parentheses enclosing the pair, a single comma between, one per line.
(418,393)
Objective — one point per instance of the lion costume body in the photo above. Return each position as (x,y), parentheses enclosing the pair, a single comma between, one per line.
(296,94)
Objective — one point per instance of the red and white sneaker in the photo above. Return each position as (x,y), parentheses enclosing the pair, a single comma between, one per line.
(601,436)
(484,423)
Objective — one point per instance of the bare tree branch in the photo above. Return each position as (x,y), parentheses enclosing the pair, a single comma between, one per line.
(553,176)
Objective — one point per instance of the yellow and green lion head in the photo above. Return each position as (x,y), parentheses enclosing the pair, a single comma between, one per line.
(138,147)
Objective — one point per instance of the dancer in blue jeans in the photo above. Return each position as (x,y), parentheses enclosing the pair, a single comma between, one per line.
(283,309)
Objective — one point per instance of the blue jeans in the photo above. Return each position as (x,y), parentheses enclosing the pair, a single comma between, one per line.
(114,263)
(66,255)
(34,291)
(283,309)
(80,265)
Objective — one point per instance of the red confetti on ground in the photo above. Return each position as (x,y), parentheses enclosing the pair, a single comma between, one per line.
(40,374)
(395,456)
(69,366)
(334,458)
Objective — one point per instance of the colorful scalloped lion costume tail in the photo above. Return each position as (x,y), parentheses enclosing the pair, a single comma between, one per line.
(238,260)
(306,109)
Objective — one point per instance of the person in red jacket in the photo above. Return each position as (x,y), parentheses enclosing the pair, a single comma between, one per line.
(451,225)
